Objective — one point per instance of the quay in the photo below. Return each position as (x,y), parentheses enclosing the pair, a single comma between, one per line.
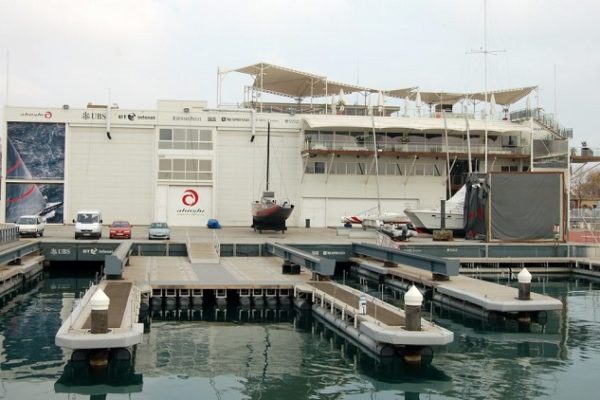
(21,265)
(191,273)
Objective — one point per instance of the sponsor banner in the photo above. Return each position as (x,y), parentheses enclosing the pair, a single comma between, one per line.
(82,116)
(189,205)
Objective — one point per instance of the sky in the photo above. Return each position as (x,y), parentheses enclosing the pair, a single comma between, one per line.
(135,52)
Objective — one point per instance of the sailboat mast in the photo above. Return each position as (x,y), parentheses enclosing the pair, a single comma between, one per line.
(268,150)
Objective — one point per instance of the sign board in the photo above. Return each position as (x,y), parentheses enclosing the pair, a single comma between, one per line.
(189,205)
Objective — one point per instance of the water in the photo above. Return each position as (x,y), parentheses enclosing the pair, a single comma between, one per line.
(281,355)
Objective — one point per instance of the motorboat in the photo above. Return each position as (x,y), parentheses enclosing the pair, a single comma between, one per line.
(428,220)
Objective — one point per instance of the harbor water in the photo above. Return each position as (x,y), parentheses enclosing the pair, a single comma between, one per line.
(281,354)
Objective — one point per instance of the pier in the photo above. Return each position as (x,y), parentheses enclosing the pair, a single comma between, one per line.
(179,279)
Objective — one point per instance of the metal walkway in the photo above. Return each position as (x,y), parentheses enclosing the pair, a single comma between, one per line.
(202,252)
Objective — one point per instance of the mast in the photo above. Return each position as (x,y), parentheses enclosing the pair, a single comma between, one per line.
(268,150)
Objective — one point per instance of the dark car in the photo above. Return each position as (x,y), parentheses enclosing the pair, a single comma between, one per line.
(120,230)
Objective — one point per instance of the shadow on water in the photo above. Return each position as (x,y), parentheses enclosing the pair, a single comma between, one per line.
(118,378)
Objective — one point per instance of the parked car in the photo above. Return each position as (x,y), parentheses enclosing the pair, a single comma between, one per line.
(119,230)
(159,230)
(31,225)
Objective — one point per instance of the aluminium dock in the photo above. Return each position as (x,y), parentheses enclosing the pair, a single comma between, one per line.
(462,292)
(381,329)
(124,330)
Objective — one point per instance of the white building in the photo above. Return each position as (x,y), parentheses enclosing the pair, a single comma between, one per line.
(183,163)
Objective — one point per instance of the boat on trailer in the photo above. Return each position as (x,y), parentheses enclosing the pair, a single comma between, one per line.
(267,213)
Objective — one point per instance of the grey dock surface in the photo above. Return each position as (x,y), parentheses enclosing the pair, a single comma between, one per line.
(124,331)
(229,273)
(486,295)
(383,323)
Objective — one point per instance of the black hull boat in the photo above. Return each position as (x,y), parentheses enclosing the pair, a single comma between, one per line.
(267,214)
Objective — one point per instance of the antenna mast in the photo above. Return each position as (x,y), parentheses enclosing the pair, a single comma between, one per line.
(485,53)
(268,150)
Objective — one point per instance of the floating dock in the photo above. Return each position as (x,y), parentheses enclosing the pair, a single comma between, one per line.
(380,327)
(124,330)
(460,292)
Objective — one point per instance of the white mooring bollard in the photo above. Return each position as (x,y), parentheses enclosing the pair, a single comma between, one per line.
(100,303)
(524,278)
(412,308)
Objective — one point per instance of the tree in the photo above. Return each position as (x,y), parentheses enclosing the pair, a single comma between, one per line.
(585,186)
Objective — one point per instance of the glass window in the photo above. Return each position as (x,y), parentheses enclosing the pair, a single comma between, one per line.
(165,134)
(179,135)
(192,135)
(204,165)
(191,165)
(164,175)
(179,175)
(205,146)
(205,176)
(165,145)
(206,136)
(191,176)
(178,165)
(191,145)
(179,145)
(319,167)
(164,165)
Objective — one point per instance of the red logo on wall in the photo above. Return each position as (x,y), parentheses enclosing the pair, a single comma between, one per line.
(48,115)
(190,198)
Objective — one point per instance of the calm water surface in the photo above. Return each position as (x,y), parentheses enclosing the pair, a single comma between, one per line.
(277,354)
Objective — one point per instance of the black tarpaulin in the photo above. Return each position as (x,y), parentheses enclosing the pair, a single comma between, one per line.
(525,206)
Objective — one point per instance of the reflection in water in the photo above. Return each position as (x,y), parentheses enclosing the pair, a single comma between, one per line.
(79,378)
(275,353)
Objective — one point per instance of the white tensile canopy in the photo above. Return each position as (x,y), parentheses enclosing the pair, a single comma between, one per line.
(503,97)
(296,84)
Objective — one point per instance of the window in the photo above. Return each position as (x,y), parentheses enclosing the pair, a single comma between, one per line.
(185,139)
(189,169)
(319,167)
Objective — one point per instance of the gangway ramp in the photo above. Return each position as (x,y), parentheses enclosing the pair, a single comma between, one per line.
(202,252)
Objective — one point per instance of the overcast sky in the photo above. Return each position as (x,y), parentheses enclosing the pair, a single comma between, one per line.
(75,52)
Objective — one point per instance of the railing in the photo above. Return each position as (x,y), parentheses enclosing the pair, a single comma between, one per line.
(411,147)
(585,151)
(217,244)
(545,119)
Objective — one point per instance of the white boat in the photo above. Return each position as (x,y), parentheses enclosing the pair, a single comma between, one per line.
(427,220)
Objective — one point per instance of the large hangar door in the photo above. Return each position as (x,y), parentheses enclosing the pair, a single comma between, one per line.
(115,176)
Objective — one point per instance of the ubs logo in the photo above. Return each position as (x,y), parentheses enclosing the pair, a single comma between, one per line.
(190,198)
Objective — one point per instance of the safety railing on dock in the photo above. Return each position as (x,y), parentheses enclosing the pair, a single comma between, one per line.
(217,245)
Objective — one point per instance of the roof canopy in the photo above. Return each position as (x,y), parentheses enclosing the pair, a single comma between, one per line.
(293,83)
(401,93)
(296,84)
(441,97)
(503,97)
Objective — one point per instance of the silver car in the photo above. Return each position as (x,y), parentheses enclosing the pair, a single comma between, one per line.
(159,230)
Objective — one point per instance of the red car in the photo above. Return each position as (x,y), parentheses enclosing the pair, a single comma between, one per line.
(119,230)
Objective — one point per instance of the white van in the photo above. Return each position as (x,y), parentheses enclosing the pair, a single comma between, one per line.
(88,223)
